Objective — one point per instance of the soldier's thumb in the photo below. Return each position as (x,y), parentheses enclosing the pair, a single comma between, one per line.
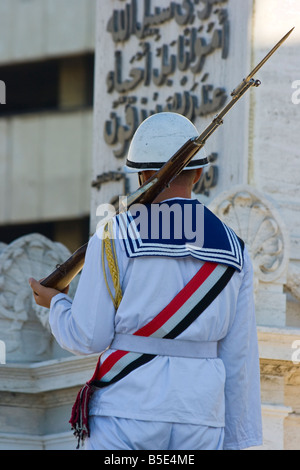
(35,285)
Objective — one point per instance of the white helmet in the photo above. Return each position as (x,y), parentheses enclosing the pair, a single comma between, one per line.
(157,139)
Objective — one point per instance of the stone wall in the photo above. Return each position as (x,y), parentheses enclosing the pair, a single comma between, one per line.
(181,57)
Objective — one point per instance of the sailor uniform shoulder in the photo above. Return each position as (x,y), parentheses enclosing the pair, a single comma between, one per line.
(179,228)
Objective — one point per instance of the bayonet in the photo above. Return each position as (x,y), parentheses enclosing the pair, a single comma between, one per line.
(249,78)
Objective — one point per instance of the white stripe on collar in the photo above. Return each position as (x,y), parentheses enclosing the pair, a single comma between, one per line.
(221,244)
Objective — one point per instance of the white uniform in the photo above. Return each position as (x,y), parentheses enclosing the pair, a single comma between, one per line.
(219,399)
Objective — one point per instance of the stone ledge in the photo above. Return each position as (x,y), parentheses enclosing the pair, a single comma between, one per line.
(276,410)
(277,343)
(46,376)
(59,441)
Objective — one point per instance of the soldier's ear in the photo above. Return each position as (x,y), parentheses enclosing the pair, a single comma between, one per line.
(197,175)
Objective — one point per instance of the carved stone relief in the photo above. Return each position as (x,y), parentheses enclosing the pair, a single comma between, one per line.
(143,40)
(257,222)
(24,325)
(293,280)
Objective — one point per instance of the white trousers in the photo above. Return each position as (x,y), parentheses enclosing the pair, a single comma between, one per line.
(110,433)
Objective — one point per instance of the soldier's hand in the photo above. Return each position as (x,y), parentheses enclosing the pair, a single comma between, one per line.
(43,295)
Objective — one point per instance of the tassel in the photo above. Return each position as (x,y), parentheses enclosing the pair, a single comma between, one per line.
(80,410)
(80,414)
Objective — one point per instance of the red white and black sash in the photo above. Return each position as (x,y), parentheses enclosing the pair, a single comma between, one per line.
(188,304)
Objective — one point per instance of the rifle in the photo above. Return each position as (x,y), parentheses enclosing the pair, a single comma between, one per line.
(147,193)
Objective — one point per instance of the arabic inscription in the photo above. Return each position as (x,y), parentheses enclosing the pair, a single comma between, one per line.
(138,81)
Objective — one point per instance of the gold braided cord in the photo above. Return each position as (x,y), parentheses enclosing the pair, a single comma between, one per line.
(109,249)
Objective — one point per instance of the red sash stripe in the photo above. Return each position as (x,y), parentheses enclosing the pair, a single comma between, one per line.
(178,301)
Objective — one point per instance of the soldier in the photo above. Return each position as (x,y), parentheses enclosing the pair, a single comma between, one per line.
(167,302)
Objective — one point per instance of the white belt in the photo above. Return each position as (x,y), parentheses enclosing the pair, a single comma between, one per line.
(165,346)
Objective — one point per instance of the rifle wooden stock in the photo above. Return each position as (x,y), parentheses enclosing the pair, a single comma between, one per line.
(147,193)
(61,277)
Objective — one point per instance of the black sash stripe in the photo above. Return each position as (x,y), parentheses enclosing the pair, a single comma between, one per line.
(129,368)
(203,304)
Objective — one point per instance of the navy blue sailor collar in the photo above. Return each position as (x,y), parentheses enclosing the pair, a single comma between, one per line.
(179,228)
